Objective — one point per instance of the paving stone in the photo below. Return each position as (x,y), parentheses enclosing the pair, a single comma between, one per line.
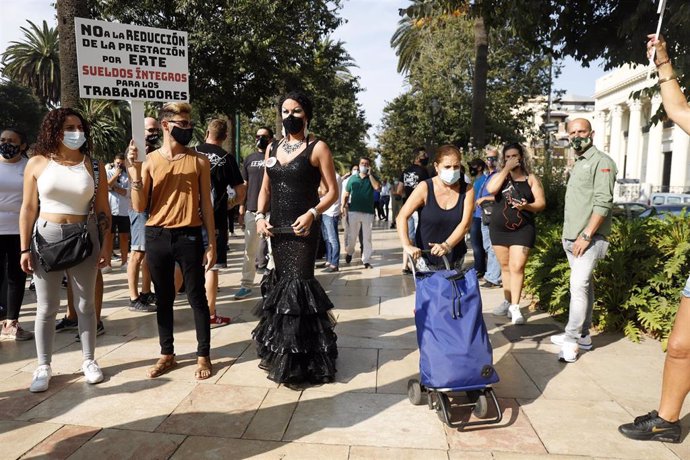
(356,371)
(383,453)
(273,416)
(214,410)
(63,443)
(126,444)
(377,332)
(17,437)
(556,422)
(15,397)
(515,382)
(224,448)
(396,368)
(364,419)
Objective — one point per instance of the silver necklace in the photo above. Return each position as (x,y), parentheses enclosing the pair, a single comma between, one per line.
(292,148)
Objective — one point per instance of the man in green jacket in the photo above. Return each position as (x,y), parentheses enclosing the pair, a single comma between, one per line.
(587,223)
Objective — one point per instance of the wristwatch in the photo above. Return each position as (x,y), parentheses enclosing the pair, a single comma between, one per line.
(586,237)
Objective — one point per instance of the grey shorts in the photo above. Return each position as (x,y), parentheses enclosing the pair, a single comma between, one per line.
(137,230)
(686,290)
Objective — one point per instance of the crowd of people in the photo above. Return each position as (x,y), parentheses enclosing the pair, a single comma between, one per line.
(170,215)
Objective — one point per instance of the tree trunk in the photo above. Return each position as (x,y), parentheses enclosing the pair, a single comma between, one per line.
(481,70)
(67,10)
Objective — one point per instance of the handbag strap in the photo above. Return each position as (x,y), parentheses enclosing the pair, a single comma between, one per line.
(96,176)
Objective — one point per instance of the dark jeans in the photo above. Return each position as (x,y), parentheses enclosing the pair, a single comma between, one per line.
(164,247)
(385,201)
(11,273)
(478,245)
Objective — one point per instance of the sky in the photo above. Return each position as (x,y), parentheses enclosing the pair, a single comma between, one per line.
(367,33)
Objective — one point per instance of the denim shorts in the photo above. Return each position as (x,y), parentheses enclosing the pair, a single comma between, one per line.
(686,290)
(137,230)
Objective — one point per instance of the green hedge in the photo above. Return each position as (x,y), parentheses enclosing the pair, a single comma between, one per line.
(638,284)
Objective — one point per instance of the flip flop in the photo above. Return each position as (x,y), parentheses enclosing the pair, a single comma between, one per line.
(203,364)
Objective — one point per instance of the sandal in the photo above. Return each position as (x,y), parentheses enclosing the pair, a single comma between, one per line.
(163,365)
(204,368)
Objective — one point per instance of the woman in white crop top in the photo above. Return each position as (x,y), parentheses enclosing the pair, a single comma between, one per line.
(60,176)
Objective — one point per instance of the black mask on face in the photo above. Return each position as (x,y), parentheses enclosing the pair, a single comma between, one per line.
(262,143)
(152,139)
(9,151)
(293,125)
(424,161)
(182,136)
(474,171)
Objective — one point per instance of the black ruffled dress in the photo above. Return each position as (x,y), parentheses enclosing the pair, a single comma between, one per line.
(295,338)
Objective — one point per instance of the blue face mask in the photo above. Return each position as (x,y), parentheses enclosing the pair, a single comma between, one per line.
(449,176)
(73,139)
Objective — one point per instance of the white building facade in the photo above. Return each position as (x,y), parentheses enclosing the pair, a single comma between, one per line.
(658,155)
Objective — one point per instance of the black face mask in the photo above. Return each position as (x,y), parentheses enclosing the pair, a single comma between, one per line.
(9,151)
(182,136)
(474,171)
(152,139)
(262,143)
(293,125)
(424,161)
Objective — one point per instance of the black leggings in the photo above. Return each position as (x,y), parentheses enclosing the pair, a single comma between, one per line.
(11,272)
(164,247)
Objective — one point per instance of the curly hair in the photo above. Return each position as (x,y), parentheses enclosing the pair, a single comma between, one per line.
(50,134)
(524,161)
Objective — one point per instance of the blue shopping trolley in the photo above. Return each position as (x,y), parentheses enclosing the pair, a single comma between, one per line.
(455,353)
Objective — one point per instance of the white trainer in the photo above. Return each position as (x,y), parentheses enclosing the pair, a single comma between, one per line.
(502,309)
(568,352)
(585,343)
(41,379)
(92,372)
(515,315)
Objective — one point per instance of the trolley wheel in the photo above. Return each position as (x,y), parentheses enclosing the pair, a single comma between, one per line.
(414,392)
(481,406)
(443,407)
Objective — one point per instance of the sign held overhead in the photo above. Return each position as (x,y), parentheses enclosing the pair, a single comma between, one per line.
(122,61)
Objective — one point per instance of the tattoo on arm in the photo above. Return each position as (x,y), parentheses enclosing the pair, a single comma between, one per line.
(103,223)
(136,185)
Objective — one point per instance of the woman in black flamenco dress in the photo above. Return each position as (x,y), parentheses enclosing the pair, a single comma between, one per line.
(294,337)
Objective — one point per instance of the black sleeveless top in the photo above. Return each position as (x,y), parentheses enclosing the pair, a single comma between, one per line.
(505,218)
(436,225)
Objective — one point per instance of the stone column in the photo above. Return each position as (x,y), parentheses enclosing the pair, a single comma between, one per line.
(617,137)
(634,138)
(600,130)
(680,159)
(655,159)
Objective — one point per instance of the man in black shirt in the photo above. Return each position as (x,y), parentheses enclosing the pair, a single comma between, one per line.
(253,173)
(409,179)
(224,173)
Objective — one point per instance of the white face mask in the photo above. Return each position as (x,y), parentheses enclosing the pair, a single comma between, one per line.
(363,169)
(449,176)
(73,139)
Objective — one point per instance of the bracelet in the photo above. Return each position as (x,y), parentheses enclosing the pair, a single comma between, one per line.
(448,246)
(314,212)
(667,61)
(24,251)
(259,216)
(672,77)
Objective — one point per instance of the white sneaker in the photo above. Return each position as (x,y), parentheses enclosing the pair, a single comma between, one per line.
(568,352)
(515,315)
(502,309)
(123,267)
(585,343)
(106,269)
(42,376)
(92,372)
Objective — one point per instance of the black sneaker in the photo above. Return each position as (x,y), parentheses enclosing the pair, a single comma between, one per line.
(320,264)
(348,259)
(331,269)
(148,298)
(651,427)
(66,324)
(32,286)
(490,285)
(140,305)
(367,265)
(64,282)
(100,330)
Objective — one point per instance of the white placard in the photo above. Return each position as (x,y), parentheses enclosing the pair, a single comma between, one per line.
(127,62)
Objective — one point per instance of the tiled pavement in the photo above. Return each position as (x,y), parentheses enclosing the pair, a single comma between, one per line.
(551,410)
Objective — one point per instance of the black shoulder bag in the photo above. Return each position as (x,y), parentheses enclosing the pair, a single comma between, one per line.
(71,250)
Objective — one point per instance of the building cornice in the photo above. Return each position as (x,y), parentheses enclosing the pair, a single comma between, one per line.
(639,74)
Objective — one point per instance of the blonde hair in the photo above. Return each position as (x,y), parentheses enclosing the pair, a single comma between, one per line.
(171,109)
(218,128)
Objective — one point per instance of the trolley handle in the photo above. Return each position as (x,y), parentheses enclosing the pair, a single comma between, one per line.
(411,262)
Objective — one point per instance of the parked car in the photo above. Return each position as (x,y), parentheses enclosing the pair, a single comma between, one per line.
(661,211)
(629,210)
(669,198)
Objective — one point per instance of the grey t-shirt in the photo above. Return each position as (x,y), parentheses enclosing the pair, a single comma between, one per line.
(253,174)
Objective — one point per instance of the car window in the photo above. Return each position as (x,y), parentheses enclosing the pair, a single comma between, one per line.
(658,200)
(636,209)
(686,199)
(673,200)
(646,212)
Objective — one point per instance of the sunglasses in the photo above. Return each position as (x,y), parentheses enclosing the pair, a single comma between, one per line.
(184,124)
(491,158)
(257,137)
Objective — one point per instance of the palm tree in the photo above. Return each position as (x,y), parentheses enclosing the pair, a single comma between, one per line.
(108,120)
(67,10)
(35,62)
